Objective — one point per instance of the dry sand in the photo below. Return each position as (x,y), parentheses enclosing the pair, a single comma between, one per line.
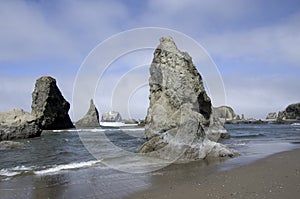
(277,176)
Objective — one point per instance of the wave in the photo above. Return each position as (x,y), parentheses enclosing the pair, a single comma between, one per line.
(295,124)
(10,172)
(248,135)
(70,166)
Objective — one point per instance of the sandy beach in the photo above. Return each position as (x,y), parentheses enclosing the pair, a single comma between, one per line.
(277,176)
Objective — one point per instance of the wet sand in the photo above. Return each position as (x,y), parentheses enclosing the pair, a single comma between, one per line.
(277,176)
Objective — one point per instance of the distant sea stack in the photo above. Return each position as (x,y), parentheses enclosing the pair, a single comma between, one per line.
(49,111)
(225,113)
(49,106)
(292,112)
(91,118)
(180,112)
(111,116)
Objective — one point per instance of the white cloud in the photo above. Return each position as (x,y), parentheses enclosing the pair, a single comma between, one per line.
(268,44)
(30,31)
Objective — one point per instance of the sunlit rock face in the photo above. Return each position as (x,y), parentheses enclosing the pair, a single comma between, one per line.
(180,112)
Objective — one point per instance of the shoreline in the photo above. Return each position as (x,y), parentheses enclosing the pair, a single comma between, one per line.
(276,176)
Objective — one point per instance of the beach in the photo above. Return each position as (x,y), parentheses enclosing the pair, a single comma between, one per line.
(277,176)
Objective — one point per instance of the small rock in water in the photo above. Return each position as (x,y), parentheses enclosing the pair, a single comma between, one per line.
(91,118)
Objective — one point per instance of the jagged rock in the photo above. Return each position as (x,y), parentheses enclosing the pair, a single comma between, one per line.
(281,115)
(243,117)
(224,112)
(292,112)
(111,116)
(91,118)
(216,130)
(180,111)
(237,117)
(271,116)
(49,106)
(17,124)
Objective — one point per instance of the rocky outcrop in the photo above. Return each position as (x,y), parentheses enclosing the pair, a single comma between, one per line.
(111,116)
(216,131)
(292,112)
(49,106)
(18,124)
(272,116)
(131,121)
(91,118)
(49,111)
(180,112)
(224,113)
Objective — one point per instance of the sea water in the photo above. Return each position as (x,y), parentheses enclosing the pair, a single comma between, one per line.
(72,163)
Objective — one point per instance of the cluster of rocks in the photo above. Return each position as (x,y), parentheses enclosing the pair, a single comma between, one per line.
(290,114)
(180,116)
(49,111)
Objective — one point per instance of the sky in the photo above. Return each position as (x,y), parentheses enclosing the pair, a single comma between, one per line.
(255,45)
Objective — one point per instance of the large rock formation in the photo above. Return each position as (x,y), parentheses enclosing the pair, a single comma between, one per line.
(111,116)
(17,124)
(292,112)
(91,118)
(180,112)
(49,111)
(224,113)
(49,106)
(272,116)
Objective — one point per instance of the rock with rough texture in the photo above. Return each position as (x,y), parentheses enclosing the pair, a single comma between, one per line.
(180,112)
(216,131)
(224,112)
(49,106)
(91,118)
(111,116)
(272,116)
(18,124)
(292,112)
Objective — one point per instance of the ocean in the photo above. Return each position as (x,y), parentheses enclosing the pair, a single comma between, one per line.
(102,163)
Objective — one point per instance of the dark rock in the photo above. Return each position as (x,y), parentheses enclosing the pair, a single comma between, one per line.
(258,122)
(91,118)
(18,124)
(292,112)
(111,116)
(180,112)
(49,106)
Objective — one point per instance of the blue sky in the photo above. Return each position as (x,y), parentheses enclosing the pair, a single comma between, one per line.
(254,43)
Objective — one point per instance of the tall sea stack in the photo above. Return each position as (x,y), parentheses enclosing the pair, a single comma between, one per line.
(49,106)
(180,112)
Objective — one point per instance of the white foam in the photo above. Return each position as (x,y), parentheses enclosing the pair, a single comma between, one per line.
(75,165)
(295,124)
(9,172)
